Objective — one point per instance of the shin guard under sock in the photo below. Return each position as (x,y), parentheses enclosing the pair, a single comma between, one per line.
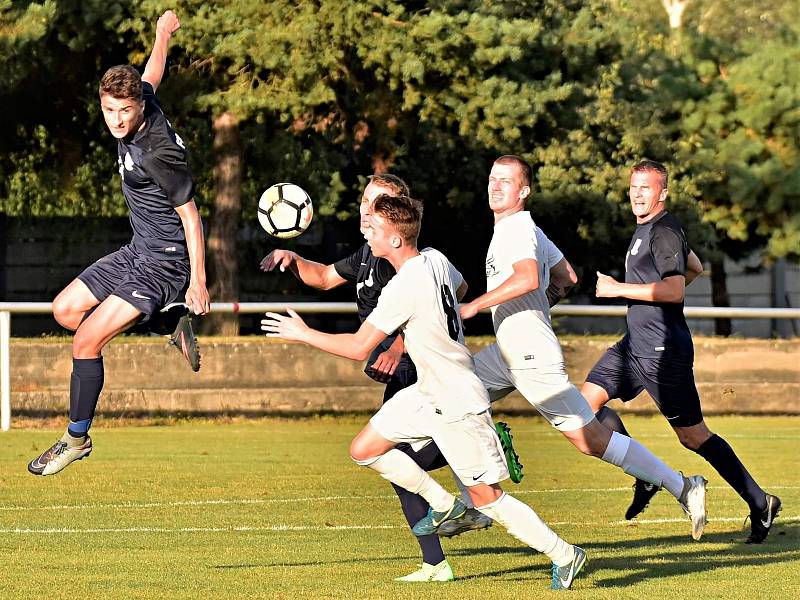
(85,385)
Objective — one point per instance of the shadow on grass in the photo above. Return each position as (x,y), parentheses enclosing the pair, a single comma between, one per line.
(781,547)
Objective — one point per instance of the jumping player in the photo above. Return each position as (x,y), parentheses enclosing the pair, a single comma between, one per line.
(521,265)
(388,363)
(657,353)
(447,404)
(166,252)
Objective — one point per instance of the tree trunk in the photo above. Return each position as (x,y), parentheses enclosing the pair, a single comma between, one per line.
(224,226)
(719,294)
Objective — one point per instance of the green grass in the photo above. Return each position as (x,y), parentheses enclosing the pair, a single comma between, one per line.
(274,508)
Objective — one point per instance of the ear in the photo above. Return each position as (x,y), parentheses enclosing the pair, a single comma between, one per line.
(395,241)
(524,192)
(663,195)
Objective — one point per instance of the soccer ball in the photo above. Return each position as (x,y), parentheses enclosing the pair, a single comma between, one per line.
(285,210)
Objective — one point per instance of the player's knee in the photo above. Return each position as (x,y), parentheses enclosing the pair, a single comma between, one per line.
(689,441)
(85,344)
(64,314)
(360,453)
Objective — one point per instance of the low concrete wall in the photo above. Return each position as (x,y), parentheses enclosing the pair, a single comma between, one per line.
(258,375)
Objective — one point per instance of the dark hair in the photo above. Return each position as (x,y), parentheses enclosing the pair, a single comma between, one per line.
(651,166)
(122,82)
(397,186)
(524,168)
(402,212)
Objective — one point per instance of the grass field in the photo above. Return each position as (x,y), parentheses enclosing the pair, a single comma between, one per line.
(274,508)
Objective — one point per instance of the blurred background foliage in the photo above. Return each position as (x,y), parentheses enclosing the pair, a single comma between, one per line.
(325,92)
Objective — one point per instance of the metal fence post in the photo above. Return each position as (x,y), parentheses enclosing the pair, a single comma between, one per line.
(5,371)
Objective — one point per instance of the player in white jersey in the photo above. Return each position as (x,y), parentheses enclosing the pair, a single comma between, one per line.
(448,404)
(520,263)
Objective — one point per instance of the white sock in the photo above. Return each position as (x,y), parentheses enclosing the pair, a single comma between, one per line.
(521,521)
(465,497)
(400,469)
(638,461)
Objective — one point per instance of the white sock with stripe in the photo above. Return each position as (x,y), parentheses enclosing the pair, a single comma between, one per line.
(400,469)
(638,461)
(521,521)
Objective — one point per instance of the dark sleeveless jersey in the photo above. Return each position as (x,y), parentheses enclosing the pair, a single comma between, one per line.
(155,180)
(658,250)
(370,274)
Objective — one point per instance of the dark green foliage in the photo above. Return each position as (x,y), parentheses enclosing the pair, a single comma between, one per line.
(329,91)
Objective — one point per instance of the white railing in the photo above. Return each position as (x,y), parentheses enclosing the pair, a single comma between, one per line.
(691,312)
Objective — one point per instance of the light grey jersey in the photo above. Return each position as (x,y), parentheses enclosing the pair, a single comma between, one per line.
(522,325)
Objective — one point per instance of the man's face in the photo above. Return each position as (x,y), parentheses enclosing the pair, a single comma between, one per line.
(372,191)
(507,191)
(123,116)
(379,234)
(646,195)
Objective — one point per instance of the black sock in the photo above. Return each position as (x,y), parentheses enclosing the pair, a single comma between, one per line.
(415,508)
(84,390)
(721,456)
(610,419)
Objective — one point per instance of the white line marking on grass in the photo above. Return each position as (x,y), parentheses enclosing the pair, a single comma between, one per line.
(280,528)
(242,528)
(260,501)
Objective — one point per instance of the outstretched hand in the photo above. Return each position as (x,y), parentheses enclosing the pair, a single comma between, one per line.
(290,327)
(168,23)
(282,259)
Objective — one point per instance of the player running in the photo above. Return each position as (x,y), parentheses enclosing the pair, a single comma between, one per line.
(657,353)
(166,252)
(448,404)
(388,363)
(522,264)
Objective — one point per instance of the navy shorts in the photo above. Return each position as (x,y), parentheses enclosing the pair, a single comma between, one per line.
(144,282)
(669,380)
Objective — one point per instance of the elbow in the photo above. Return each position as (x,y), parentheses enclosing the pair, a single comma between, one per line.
(676,296)
(362,353)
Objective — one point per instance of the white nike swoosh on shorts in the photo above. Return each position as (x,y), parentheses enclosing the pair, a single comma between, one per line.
(136,294)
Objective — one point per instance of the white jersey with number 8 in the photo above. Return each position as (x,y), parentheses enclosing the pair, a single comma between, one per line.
(421,301)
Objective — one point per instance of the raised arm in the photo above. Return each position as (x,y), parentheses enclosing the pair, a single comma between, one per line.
(154,70)
(313,274)
(355,346)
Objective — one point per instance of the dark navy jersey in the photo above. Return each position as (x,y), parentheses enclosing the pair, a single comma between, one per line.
(658,250)
(155,181)
(370,274)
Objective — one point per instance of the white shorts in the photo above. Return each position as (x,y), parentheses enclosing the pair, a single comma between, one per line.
(470,445)
(548,390)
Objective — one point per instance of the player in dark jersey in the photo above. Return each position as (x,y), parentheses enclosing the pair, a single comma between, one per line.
(657,353)
(165,254)
(388,364)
